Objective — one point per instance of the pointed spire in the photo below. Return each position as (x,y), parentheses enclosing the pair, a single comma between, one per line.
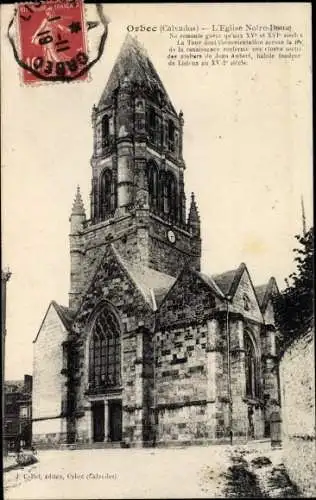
(134,62)
(303,216)
(78,206)
(194,217)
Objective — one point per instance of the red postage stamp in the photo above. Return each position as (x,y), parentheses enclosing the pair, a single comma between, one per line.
(53,43)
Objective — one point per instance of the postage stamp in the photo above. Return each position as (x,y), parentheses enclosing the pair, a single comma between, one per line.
(53,44)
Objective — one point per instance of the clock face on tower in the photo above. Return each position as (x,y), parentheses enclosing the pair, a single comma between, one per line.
(171,236)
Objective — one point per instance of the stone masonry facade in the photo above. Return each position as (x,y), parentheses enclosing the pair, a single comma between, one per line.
(150,350)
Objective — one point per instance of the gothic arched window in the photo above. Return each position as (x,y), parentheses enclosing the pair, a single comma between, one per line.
(171,136)
(154,131)
(105,352)
(161,191)
(153,186)
(105,131)
(107,194)
(251,367)
(181,205)
(170,195)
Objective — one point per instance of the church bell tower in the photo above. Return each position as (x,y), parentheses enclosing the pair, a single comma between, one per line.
(138,200)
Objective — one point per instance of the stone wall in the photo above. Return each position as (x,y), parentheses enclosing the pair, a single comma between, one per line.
(112,287)
(247,318)
(168,257)
(245,290)
(181,384)
(297,369)
(189,363)
(50,432)
(48,381)
(241,403)
(188,302)
(192,364)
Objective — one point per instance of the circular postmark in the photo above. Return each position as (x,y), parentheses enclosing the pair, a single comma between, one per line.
(53,41)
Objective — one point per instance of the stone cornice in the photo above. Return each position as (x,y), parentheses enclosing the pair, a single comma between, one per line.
(90,393)
(90,226)
(131,408)
(126,138)
(181,404)
(253,401)
(269,356)
(237,350)
(215,348)
(269,327)
(170,224)
(39,419)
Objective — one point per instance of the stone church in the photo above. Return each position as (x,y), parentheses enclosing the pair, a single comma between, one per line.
(150,349)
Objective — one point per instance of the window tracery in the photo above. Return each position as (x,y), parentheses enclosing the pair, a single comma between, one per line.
(251,367)
(105,352)
(105,131)
(153,186)
(171,136)
(107,194)
(153,126)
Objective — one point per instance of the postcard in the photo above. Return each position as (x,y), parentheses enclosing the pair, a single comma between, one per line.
(157,237)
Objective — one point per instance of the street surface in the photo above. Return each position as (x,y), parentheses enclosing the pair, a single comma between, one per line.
(191,472)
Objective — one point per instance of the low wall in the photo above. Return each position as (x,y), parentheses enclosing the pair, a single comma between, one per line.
(297,368)
(49,433)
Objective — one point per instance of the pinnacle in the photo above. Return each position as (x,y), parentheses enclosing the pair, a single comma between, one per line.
(194,217)
(193,206)
(78,206)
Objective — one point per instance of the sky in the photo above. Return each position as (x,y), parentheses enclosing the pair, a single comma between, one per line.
(247,148)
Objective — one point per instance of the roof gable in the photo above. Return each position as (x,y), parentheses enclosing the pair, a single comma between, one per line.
(266,292)
(265,295)
(191,298)
(228,281)
(211,283)
(113,281)
(63,316)
(261,291)
(153,284)
(244,298)
(268,313)
(197,276)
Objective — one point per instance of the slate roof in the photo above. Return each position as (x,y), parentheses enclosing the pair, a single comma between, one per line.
(261,292)
(94,259)
(16,385)
(133,61)
(211,283)
(228,281)
(264,292)
(152,281)
(65,315)
(153,284)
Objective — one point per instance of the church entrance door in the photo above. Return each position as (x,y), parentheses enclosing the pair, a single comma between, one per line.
(98,421)
(115,420)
